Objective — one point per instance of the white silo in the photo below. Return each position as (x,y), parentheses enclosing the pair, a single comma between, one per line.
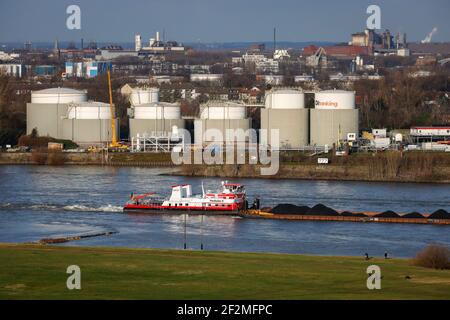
(64,113)
(285,111)
(156,118)
(58,96)
(218,117)
(141,96)
(333,117)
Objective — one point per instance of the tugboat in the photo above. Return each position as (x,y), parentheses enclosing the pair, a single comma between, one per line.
(229,199)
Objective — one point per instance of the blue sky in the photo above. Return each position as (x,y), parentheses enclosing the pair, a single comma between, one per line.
(218,21)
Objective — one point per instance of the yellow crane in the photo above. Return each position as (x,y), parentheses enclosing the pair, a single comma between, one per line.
(114,142)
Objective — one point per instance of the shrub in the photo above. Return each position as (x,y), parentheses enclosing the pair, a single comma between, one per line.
(55,158)
(39,156)
(433,256)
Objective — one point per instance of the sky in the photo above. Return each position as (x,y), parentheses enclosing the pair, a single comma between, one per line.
(218,21)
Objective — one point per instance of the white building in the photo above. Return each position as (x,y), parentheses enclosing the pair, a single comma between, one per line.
(12,69)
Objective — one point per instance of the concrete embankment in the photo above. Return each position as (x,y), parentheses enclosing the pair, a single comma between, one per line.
(87,158)
(381,167)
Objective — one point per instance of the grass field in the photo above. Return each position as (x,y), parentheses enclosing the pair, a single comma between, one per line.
(39,272)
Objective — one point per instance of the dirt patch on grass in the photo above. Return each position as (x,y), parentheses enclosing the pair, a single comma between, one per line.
(431,280)
(15,286)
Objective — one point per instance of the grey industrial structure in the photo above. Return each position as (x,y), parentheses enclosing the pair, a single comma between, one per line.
(216,117)
(285,111)
(64,113)
(332,118)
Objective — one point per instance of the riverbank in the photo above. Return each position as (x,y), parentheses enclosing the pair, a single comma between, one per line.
(381,167)
(426,167)
(39,272)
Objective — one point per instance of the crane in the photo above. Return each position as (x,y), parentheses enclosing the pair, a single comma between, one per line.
(114,142)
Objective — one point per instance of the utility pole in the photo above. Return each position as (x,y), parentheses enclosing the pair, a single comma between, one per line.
(185,239)
(201,234)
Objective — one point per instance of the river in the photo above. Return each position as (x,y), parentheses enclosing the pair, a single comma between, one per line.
(42,201)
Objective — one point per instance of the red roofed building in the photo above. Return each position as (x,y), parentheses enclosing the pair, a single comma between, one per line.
(338,51)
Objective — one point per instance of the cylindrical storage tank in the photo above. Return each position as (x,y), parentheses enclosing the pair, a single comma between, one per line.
(58,96)
(285,99)
(160,110)
(223,111)
(90,111)
(335,100)
(141,96)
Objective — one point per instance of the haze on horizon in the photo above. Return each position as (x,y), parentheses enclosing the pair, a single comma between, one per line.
(218,21)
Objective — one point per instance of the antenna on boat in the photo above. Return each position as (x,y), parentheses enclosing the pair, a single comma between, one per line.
(203,190)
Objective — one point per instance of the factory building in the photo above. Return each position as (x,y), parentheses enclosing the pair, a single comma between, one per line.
(285,110)
(149,117)
(334,116)
(64,113)
(218,117)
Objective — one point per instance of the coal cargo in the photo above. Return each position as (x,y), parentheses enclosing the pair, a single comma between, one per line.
(413,215)
(322,210)
(440,214)
(352,214)
(288,208)
(388,214)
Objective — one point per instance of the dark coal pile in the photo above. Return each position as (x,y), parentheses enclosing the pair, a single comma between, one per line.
(413,215)
(440,214)
(352,214)
(360,215)
(321,210)
(287,208)
(388,214)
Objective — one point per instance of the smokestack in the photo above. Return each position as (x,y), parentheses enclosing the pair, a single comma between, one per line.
(157,36)
(274,39)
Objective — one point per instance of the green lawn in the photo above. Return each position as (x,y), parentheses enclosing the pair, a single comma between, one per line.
(39,272)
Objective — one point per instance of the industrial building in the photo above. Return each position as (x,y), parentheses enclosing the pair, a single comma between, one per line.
(285,110)
(218,117)
(64,113)
(334,116)
(153,123)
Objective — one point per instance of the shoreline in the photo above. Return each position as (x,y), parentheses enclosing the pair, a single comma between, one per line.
(384,167)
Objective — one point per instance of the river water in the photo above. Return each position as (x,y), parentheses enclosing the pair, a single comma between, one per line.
(40,202)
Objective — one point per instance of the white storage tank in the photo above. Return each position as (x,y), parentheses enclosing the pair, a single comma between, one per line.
(140,96)
(58,96)
(285,111)
(335,100)
(333,118)
(285,99)
(223,110)
(157,110)
(90,111)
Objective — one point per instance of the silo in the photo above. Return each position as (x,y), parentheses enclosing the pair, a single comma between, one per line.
(285,111)
(334,116)
(156,118)
(216,117)
(140,96)
(64,113)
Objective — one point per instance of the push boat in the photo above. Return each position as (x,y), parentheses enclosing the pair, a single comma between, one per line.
(229,199)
